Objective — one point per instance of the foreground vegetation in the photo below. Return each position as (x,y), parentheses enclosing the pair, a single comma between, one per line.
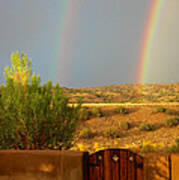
(34,116)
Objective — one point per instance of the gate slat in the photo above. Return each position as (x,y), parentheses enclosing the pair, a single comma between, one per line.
(115,164)
(123,165)
(101,163)
(96,166)
(107,165)
(93,170)
(140,170)
(131,166)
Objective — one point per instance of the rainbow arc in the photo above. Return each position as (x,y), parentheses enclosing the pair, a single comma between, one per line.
(153,20)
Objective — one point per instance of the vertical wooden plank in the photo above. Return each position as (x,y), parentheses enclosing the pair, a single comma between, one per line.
(96,166)
(93,169)
(115,163)
(101,164)
(123,164)
(107,165)
(139,168)
(131,166)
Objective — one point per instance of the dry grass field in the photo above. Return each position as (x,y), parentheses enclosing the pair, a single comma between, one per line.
(146,115)
(112,128)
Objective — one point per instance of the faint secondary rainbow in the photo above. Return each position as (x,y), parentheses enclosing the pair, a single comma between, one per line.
(61,20)
(68,20)
(148,37)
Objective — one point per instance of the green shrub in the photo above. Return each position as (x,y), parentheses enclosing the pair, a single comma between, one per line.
(111,133)
(97,112)
(147,149)
(122,110)
(174,148)
(32,117)
(124,125)
(172,121)
(84,114)
(86,133)
(146,127)
(169,111)
(160,109)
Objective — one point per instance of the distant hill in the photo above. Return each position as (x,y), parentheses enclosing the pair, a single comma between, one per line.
(123,93)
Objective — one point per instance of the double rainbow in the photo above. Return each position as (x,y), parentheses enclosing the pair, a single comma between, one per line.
(68,13)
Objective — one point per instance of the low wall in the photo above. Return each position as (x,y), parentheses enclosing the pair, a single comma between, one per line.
(42,164)
(69,165)
(175,166)
(161,167)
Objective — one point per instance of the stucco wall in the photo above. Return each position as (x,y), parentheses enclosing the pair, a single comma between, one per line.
(175,166)
(161,166)
(36,165)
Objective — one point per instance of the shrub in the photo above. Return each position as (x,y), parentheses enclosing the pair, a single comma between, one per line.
(86,133)
(160,109)
(32,117)
(174,148)
(147,149)
(97,112)
(122,110)
(84,114)
(146,127)
(169,111)
(172,121)
(111,133)
(124,125)
(148,146)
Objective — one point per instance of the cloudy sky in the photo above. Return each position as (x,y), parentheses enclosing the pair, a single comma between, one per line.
(88,43)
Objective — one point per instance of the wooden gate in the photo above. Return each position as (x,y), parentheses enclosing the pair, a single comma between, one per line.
(115,164)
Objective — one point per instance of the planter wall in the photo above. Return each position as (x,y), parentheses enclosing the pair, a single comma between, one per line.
(161,166)
(157,167)
(175,166)
(41,164)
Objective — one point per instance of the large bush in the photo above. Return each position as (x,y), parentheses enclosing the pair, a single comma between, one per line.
(34,116)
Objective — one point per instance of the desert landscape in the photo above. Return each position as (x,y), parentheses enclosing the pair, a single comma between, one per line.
(146,118)
(123,93)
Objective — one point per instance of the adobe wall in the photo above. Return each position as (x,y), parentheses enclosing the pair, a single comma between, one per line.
(175,166)
(41,164)
(161,166)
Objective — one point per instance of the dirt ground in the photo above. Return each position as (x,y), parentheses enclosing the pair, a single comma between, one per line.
(133,137)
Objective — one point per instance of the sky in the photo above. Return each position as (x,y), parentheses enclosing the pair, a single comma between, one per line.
(89,43)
